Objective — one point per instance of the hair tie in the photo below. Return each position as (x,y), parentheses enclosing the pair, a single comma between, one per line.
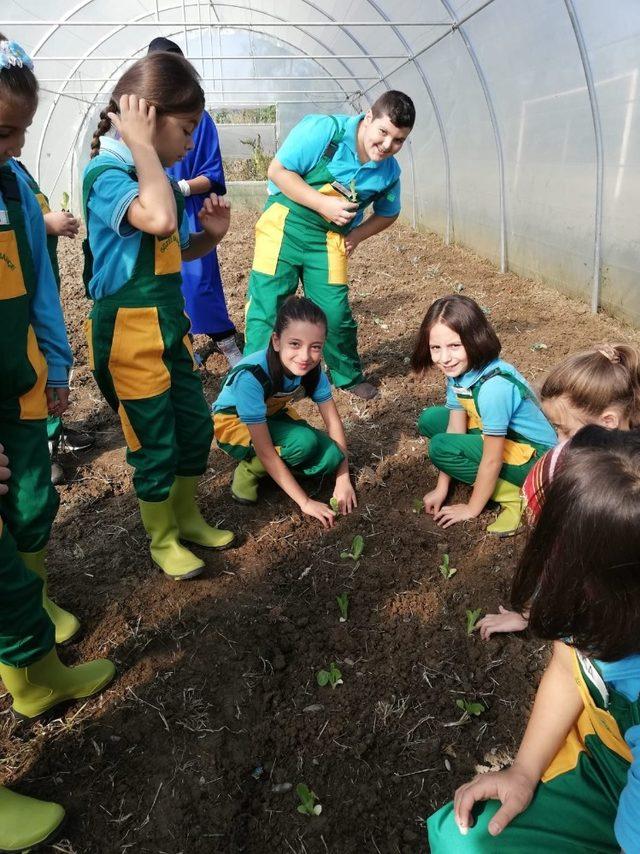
(610,353)
(13,56)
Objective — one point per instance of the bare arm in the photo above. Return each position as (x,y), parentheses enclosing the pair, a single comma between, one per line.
(372,225)
(344,492)
(488,471)
(198,185)
(215,218)
(433,500)
(336,210)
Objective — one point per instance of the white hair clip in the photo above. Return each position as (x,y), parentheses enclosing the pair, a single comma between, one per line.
(12,55)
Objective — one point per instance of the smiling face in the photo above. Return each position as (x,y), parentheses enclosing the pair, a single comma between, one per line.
(174,136)
(379,138)
(447,350)
(300,346)
(566,419)
(15,119)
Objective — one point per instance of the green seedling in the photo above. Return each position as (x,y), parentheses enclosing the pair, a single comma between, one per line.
(333,503)
(353,196)
(472,619)
(332,676)
(539,346)
(446,569)
(470,708)
(357,547)
(343,604)
(65,202)
(308,805)
(417,506)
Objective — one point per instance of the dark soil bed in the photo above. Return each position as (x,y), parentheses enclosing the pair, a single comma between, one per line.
(216,706)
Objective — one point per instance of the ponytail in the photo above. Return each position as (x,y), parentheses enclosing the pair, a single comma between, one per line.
(104,126)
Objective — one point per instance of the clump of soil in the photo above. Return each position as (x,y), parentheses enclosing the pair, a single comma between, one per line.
(216,715)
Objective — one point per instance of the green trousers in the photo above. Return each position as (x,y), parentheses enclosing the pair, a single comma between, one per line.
(142,361)
(30,506)
(26,632)
(459,454)
(306,450)
(287,251)
(54,427)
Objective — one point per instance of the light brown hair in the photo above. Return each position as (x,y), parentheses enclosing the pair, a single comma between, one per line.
(165,80)
(595,379)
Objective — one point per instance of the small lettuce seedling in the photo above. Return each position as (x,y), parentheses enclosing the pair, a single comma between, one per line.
(308,805)
(445,567)
(332,676)
(353,197)
(417,505)
(357,547)
(472,619)
(65,202)
(333,503)
(470,708)
(343,604)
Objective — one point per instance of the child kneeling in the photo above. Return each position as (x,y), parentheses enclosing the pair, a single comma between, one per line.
(491,430)
(254,421)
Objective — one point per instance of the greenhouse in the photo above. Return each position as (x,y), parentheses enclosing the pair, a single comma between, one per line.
(344,649)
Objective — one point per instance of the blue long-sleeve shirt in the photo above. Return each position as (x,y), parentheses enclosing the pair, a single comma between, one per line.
(45,309)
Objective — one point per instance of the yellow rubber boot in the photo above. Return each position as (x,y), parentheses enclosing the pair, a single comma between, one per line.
(510,499)
(67,626)
(173,559)
(244,487)
(191,525)
(41,686)
(25,822)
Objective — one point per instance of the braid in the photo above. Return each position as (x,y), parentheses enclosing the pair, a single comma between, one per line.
(104,125)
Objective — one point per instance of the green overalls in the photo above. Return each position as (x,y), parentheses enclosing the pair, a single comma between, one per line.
(574,808)
(296,243)
(305,449)
(459,454)
(54,422)
(142,360)
(28,509)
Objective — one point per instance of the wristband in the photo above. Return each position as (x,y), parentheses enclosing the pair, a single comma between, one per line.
(184,187)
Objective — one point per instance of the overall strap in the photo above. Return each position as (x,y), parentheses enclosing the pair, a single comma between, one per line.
(10,189)
(31,181)
(334,142)
(258,372)
(525,391)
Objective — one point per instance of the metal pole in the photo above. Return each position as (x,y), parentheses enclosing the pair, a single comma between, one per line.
(231,24)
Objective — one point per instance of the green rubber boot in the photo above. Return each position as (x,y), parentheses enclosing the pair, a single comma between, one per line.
(244,488)
(191,525)
(26,822)
(67,626)
(509,498)
(173,559)
(41,686)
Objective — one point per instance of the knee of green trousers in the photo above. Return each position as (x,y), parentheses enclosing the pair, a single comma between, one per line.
(433,420)
(326,459)
(194,449)
(26,631)
(445,457)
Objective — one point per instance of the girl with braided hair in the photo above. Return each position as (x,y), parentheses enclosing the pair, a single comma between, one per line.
(138,332)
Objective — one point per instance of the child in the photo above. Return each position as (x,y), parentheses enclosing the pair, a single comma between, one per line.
(596,386)
(574,784)
(138,333)
(491,430)
(34,364)
(329,169)
(255,423)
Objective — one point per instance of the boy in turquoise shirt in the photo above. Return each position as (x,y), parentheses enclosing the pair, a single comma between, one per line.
(329,169)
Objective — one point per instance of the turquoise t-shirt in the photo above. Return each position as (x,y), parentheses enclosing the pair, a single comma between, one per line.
(114,242)
(306,143)
(501,405)
(44,306)
(246,394)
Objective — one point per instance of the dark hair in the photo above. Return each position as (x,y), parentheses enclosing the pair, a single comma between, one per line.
(579,574)
(595,379)
(464,316)
(18,83)
(398,106)
(294,309)
(166,80)
(161,43)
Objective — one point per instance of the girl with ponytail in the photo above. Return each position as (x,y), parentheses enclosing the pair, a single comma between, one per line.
(138,332)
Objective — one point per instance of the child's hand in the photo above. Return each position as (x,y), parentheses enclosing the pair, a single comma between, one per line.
(319,511)
(337,210)
(57,399)
(62,224)
(433,501)
(136,122)
(505,621)
(215,216)
(345,495)
(511,787)
(351,242)
(453,513)
(5,472)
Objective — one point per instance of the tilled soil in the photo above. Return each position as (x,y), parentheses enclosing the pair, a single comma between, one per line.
(216,713)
